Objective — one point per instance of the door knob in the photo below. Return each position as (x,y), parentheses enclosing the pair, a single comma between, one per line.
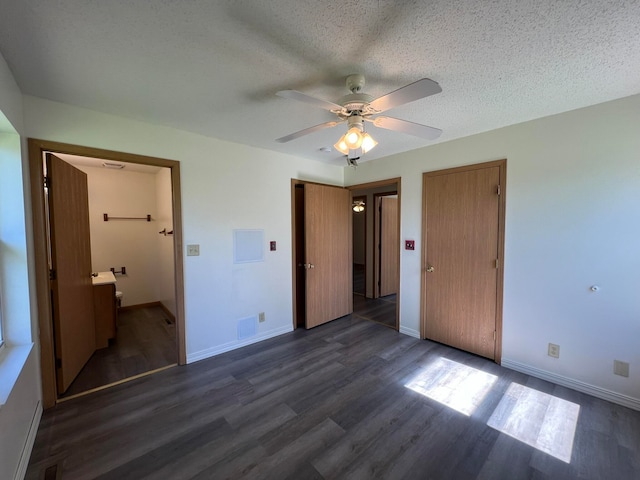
(307,266)
(430,269)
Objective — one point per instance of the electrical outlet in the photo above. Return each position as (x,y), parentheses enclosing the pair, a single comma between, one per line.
(554,350)
(193,250)
(261,317)
(620,368)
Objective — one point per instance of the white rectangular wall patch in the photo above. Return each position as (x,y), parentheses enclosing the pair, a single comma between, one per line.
(248,246)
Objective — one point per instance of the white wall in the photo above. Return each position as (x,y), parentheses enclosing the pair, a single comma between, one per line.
(572,221)
(125,243)
(165,283)
(19,364)
(225,186)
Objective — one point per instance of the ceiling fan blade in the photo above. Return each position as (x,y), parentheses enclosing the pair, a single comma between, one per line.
(422,131)
(306,131)
(414,91)
(308,99)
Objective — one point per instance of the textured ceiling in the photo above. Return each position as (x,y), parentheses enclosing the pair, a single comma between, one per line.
(213,67)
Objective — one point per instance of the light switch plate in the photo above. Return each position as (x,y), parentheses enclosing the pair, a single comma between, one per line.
(193,250)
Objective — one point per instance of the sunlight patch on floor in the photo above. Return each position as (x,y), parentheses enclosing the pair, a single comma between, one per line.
(453,384)
(542,421)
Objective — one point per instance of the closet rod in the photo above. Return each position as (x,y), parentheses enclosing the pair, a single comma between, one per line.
(107,218)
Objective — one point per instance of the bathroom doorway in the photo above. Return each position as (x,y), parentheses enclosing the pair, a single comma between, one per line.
(149,333)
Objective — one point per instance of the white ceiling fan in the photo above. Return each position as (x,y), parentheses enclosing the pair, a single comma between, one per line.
(358,107)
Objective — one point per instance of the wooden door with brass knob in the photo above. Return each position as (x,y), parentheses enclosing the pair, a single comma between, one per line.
(70,279)
(463,230)
(328,253)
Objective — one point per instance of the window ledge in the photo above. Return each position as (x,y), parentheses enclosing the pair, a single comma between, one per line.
(12,361)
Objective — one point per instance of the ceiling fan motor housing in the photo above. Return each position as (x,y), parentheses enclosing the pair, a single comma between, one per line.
(355,82)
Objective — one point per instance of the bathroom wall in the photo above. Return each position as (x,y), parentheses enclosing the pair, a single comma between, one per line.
(133,244)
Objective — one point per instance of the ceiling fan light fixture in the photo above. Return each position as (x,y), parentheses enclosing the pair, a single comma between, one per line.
(368,143)
(341,146)
(354,138)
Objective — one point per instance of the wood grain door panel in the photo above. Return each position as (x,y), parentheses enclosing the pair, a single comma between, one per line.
(389,245)
(328,248)
(462,234)
(72,291)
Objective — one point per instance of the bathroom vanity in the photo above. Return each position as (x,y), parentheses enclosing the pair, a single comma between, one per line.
(104,307)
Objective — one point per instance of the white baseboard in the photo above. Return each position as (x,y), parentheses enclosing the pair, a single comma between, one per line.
(613,397)
(227,347)
(410,331)
(28,444)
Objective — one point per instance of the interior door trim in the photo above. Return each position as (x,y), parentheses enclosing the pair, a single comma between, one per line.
(36,149)
(502,164)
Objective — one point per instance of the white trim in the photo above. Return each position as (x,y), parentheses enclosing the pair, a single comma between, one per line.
(410,331)
(227,347)
(21,471)
(599,392)
(12,361)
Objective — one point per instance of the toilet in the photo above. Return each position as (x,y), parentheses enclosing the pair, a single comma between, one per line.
(118,298)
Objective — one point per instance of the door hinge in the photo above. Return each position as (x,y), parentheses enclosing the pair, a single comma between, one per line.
(494,335)
(52,274)
(58,363)
(47,181)
(498,190)
(497,263)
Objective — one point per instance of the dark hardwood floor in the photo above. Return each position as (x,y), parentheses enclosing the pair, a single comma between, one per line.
(350,399)
(381,309)
(145,341)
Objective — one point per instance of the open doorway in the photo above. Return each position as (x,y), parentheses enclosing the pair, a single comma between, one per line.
(167,345)
(131,240)
(376,251)
(359,219)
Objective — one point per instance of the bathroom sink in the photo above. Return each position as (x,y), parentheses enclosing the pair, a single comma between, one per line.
(104,278)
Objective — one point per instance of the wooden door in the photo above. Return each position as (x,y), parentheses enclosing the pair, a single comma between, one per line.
(389,245)
(328,254)
(72,294)
(462,235)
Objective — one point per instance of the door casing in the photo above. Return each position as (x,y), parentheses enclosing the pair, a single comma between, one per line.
(502,164)
(36,150)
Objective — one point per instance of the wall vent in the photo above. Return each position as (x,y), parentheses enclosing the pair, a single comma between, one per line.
(247,327)
(620,368)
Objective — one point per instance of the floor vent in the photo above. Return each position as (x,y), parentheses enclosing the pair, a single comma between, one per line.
(247,327)
(51,473)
